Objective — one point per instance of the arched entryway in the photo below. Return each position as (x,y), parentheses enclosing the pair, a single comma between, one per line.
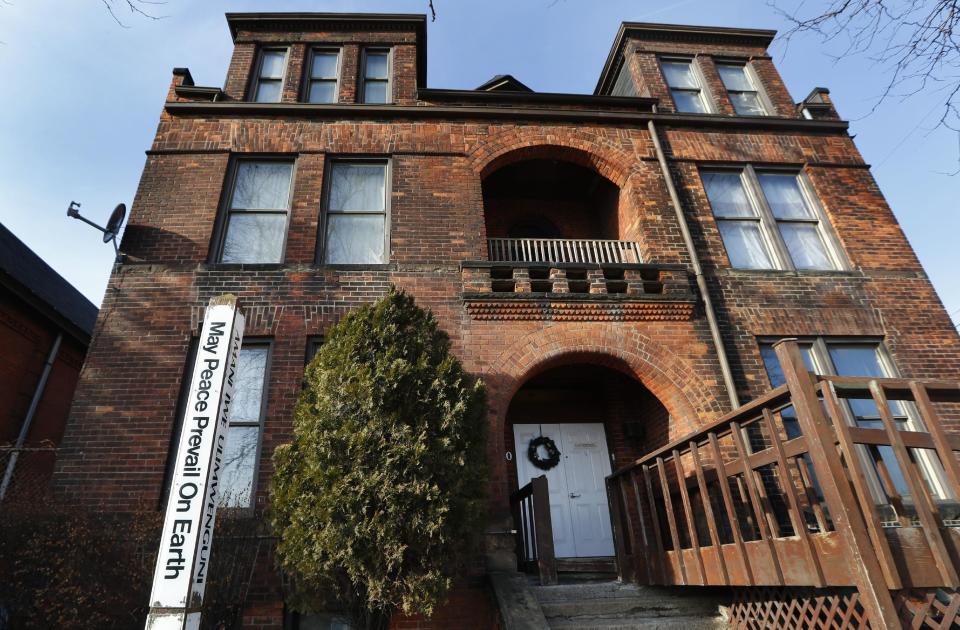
(599,419)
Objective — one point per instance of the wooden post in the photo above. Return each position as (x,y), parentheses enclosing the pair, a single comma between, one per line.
(821,441)
(543,531)
(619,540)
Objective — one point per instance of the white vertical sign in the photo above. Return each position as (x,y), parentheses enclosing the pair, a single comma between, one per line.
(183,563)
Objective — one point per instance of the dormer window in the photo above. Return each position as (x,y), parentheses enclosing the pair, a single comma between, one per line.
(375,86)
(269,80)
(742,89)
(323,75)
(685,86)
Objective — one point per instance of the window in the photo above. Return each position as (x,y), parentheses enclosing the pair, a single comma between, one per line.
(313,345)
(768,220)
(684,85)
(322,76)
(742,90)
(240,457)
(845,357)
(269,82)
(255,227)
(356,216)
(376,76)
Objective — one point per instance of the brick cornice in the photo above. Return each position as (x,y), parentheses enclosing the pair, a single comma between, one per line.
(401,112)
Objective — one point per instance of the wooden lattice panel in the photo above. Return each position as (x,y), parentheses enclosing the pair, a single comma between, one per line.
(793,608)
(939,609)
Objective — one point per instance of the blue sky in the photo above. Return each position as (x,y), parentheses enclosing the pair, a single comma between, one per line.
(83,96)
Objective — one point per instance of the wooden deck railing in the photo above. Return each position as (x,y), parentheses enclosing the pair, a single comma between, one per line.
(531,518)
(562,250)
(788,491)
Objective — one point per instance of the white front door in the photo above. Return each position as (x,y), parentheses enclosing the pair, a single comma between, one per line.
(578,496)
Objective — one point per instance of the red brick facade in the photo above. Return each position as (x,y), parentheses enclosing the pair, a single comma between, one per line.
(441,146)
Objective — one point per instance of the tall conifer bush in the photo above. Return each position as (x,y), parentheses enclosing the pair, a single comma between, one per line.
(380,496)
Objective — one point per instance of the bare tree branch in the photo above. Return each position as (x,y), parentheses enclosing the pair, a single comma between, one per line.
(915,42)
(433,12)
(142,8)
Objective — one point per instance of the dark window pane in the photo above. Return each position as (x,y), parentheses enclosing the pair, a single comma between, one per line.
(254,238)
(354,239)
(262,185)
(375,92)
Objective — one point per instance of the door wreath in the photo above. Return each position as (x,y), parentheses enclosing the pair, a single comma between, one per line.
(553,453)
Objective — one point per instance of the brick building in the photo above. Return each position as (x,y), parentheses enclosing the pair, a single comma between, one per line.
(45,328)
(615,266)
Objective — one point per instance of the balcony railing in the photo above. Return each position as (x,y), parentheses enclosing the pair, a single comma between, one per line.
(746,502)
(562,250)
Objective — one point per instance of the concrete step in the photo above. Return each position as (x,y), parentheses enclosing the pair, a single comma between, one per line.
(668,623)
(612,605)
(629,606)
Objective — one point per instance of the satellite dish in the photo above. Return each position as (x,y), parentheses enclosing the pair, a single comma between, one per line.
(114,222)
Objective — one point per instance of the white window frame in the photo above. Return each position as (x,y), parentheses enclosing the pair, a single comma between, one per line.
(776,247)
(228,210)
(308,79)
(823,364)
(765,104)
(258,75)
(325,207)
(361,94)
(705,96)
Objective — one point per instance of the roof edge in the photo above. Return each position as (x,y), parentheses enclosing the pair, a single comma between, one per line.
(674,32)
(417,20)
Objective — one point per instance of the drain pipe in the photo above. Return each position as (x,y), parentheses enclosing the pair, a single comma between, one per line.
(697,269)
(34,403)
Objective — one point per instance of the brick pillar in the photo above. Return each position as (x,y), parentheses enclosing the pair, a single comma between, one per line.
(521,275)
(559,279)
(598,283)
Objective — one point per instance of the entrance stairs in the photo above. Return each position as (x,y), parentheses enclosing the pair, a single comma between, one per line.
(601,602)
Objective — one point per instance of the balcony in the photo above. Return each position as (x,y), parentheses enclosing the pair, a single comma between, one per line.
(562,250)
(573,279)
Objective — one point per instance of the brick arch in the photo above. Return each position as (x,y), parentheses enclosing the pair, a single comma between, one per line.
(689,400)
(585,149)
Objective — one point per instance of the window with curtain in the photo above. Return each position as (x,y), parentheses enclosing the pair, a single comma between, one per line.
(356,213)
(842,357)
(741,89)
(240,457)
(269,80)
(255,226)
(376,76)
(684,85)
(767,220)
(322,79)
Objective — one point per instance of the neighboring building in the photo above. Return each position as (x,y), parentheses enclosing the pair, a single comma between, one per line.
(566,267)
(45,329)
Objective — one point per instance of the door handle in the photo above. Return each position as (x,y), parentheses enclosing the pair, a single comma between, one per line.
(574,495)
